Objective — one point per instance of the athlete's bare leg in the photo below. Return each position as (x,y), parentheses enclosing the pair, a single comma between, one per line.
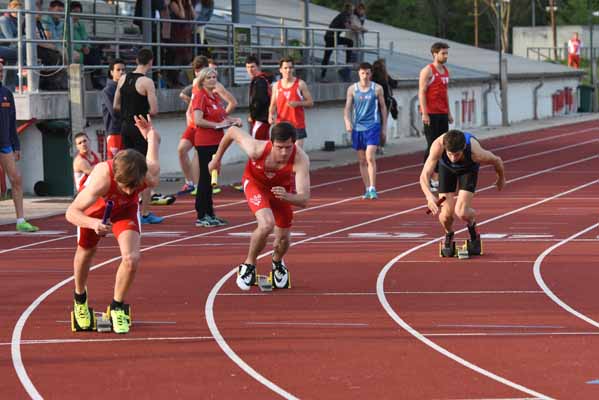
(363,168)
(281,243)
(463,207)
(266,224)
(371,162)
(81,265)
(7,161)
(446,213)
(183,148)
(146,197)
(129,242)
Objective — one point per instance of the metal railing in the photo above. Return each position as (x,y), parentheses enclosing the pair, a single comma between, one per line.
(548,53)
(305,43)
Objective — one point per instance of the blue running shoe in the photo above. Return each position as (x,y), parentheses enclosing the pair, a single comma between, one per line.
(372,195)
(151,219)
(366,195)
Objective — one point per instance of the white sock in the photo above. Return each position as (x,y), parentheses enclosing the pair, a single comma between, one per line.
(20,220)
(190,183)
(371,188)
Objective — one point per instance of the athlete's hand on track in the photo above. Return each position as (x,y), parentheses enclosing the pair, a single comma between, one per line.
(280,192)
(500,183)
(426,120)
(102,229)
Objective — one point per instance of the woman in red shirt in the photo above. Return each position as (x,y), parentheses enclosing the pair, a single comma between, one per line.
(210,118)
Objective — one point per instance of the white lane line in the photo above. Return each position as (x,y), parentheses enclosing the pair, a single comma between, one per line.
(136,322)
(220,340)
(505,326)
(113,339)
(549,292)
(380,288)
(463,292)
(20,324)
(334,324)
(477,334)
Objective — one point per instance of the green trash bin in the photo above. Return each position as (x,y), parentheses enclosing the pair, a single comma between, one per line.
(58,164)
(585,99)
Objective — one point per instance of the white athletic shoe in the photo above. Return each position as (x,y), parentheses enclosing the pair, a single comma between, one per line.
(246,276)
(280,275)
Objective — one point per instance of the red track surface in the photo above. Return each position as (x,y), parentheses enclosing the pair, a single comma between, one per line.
(329,336)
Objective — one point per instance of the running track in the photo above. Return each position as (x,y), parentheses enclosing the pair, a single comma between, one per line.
(374,313)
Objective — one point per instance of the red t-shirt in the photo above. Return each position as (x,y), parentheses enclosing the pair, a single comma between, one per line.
(257,173)
(293,115)
(211,106)
(436,92)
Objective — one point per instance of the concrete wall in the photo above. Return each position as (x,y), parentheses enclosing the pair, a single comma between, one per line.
(542,36)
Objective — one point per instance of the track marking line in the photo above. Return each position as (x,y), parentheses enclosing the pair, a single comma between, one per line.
(389,292)
(504,326)
(391,312)
(133,339)
(322,324)
(511,334)
(539,278)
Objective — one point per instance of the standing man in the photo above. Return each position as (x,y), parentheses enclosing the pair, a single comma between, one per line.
(434,102)
(366,101)
(574,45)
(84,162)
(136,95)
(260,93)
(289,97)
(10,153)
(341,21)
(267,187)
(458,156)
(112,122)
(119,180)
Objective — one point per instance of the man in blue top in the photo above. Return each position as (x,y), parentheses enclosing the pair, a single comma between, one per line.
(112,121)
(10,152)
(459,155)
(365,98)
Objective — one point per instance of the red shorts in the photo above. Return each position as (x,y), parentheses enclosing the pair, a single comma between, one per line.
(114,143)
(573,60)
(126,219)
(189,134)
(260,130)
(259,197)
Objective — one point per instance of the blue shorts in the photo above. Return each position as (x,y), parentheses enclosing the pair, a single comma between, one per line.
(6,149)
(361,139)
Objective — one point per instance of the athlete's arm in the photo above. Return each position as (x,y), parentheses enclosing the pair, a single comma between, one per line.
(98,185)
(272,109)
(449,116)
(483,156)
(227,96)
(185,94)
(380,94)
(301,167)
(434,156)
(80,164)
(149,133)
(252,147)
(116,105)
(150,90)
(425,74)
(349,100)
(308,101)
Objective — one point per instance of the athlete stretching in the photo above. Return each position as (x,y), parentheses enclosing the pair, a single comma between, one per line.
(459,155)
(267,188)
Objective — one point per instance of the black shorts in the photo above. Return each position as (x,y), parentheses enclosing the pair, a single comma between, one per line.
(132,138)
(448,180)
(439,124)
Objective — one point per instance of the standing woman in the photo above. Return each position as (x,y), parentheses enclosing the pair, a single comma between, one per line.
(209,116)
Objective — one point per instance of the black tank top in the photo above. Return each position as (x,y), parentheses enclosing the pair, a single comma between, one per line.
(466,164)
(132,103)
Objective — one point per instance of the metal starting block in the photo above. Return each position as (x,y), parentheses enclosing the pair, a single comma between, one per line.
(265,283)
(463,252)
(103,322)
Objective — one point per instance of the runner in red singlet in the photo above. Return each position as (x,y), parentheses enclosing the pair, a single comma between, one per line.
(84,161)
(119,180)
(289,97)
(434,101)
(267,182)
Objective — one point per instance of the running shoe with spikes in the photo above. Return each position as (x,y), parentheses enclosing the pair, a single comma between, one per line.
(280,275)
(246,276)
(83,316)
(120,321)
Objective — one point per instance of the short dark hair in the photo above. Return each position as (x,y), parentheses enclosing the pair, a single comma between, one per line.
(144,56)
(130,168)
(199,62)
(56,3)
(112,64)
(284,60)
(76,4)
(252,59)
(454,141)
(282,132)
(78,135)
(438,46)
(365,65)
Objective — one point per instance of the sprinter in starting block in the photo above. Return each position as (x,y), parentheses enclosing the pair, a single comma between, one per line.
(459,155)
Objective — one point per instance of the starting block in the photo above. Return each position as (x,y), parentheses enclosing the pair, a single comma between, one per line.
(104,323)
(447,251)
(75,326)
(463,252)
(265,282)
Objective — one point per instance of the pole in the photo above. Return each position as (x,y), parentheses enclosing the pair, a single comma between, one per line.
(475,23)
(533,9)
(235,11)
(553,27)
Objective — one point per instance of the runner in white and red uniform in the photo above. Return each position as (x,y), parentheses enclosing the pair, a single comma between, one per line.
(267,182)
(574,45)
(119,180)
(84,161)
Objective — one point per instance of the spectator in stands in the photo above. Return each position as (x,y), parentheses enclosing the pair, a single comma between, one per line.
(341,21)
(204,10)
(9,30)
(88,54)
(54,28)
(10,153)
(49,55)
(180,33)
(574,45)
(112,121)
(357,20)
(381,76)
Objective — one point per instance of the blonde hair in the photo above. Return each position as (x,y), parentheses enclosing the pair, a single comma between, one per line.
(204,74)
(15,4)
